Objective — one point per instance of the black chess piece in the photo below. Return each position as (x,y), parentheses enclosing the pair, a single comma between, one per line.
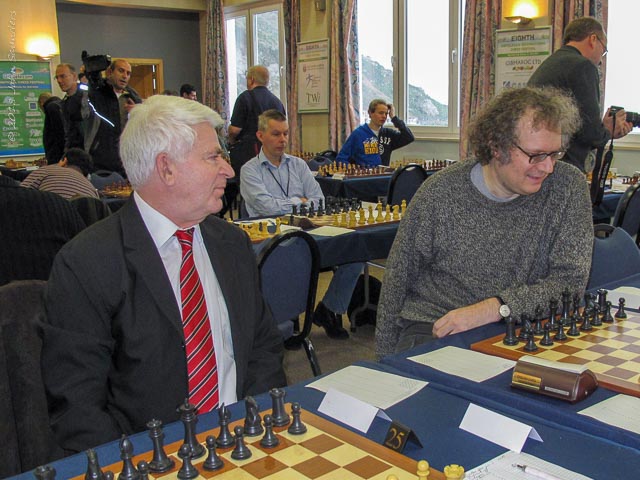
(278,413)
(252,421)
(294,210)
(296,427)
(320,207)
(45,472)
(94,472)
(553,313)
(129,471)
(566,307)
(602,298)
(269,440)
(596,320)
(531,344)
(537,327)
(607,318)
(160,461)
(573,328)
(560,335)
(189,419)
(224,439)
(621,314)
(187,470)
(524,327)
(213,461)
(510,337)
(240,451)
(143,469)
(546,338)
(586,322)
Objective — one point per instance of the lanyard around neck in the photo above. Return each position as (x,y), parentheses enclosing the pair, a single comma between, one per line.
(286,193)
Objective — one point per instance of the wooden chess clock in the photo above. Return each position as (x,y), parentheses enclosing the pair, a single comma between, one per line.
(559,380)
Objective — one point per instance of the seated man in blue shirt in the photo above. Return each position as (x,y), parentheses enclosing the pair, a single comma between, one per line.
(271,184)
(371,144)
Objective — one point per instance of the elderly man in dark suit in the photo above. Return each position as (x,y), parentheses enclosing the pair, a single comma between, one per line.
(120,346)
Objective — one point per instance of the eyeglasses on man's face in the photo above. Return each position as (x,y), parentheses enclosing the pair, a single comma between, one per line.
(541,157)
(603,45)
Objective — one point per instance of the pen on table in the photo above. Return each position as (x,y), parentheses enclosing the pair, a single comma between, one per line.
(537,473)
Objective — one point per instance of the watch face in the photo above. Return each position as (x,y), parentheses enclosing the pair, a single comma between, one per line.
(505,311)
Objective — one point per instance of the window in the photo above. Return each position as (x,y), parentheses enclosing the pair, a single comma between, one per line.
(621,81)
(410,53)
(261,44)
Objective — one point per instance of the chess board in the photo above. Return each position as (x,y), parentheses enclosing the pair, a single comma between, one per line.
(327,451)
(118,190)
(329,220)
(611,352)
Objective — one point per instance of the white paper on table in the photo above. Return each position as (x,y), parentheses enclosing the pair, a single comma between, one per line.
(288,228)
(379,389)
(630,294)
(502,468)
(622,411)
(350,410)
(329,231)
(496,428)
(464,363)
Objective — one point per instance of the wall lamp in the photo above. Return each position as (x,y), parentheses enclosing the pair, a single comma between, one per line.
(518,19)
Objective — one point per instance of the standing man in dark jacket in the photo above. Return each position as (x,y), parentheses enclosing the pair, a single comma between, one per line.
(574,68)
(67,79)
(53,132)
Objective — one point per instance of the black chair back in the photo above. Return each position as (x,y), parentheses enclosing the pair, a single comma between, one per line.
(289,266)
(615,256)
(90,209)
(405,182)
(24,419)
(103,178)
(627,214)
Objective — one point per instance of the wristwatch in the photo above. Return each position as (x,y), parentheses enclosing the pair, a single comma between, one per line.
(504,311)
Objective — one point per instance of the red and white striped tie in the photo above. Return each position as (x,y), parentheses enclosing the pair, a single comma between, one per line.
(201,358)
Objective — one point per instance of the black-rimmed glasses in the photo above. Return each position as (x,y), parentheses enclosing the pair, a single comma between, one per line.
(540,157)
(603,46)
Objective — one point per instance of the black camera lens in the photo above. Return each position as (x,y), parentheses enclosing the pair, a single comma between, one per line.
(633,118)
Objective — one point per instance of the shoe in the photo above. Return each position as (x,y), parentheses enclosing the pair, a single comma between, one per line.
(331,322)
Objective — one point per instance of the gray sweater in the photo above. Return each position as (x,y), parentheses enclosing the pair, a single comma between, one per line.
(455,247)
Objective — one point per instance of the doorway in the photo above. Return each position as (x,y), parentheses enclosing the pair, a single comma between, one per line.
(146,76)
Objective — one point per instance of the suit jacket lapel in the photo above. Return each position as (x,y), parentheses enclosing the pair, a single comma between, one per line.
(142,255)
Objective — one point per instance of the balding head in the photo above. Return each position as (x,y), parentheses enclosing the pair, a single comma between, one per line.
(257,76)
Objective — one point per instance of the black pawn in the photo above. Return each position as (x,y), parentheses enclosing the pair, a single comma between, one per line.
(573,329)
(607,318)
(312,210)
(129,471)
(187,470)
(531,344)
(621,313)
(546,338)
(189,419)
(240,451)
(45,472)
(213,461)
(510,337)
(296,427)
(586,322)
(269,440)
(560,335)
(252,421)
(224,439)
(525,327)
(94,472)
(278,413)
(160,461)
(596,320)
(143,469)
(537,327)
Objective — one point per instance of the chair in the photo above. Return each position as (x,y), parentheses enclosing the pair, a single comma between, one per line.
(627,214)
(103,178)
(24,419)
(242,209)
(319,161)
(289,266)
(615,256)
(405,182)
(90,209)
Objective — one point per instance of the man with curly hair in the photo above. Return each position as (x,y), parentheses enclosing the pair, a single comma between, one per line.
(510,226)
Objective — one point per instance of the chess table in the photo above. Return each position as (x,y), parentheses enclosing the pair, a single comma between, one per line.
(366,188)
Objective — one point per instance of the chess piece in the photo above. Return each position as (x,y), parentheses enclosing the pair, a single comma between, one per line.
(423,470)
(553,312)
(531,344)
(602,298)
(129,471)
(160,462)
(607,318)
(189,419)
(296,427)
(240,451)
(546,338)
(213,461)
(45,472)
(524,329)
(621,314)
(94,472)
(560,336)
(537,326)
(252,421)
(453,472)
(566,306)
(586,322)
(187,470)
(596,320)
(510,337)
(143,469)
(278,413)
(573,329)
(269,440)
(225,439)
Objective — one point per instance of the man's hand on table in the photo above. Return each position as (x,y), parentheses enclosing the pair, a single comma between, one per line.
(466,318)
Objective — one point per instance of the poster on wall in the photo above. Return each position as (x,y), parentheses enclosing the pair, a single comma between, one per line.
(518,54)
(313,76)
(21,83)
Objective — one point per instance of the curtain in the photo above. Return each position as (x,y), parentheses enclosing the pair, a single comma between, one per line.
(344,96)
(291,39)
(214,88)
(477,74)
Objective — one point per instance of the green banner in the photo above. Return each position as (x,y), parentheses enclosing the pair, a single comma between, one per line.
(21,83)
